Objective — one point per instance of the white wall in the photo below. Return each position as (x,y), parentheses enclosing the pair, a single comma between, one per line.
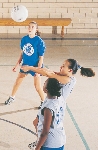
(84,14)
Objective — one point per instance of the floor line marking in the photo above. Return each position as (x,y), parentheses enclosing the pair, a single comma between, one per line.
(77,127)
(18,125)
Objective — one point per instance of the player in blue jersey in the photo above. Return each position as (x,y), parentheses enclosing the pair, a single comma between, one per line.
(32,54)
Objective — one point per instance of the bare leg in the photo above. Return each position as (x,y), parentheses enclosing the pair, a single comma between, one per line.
(17,83)
(37,84)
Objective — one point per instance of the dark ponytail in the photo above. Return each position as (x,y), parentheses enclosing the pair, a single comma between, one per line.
(87,72)
(37,31)
(53,87)
(84,71)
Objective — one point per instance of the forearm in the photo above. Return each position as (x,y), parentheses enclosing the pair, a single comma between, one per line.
(40,61)
(19,60)
(42,140)
(42,71)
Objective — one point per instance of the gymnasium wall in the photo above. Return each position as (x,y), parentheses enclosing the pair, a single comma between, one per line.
(84,14)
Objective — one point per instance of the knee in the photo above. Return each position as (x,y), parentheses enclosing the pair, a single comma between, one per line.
(19,79)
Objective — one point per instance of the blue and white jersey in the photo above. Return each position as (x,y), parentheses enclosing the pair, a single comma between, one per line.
(68,87)
(32,49)
(56,136)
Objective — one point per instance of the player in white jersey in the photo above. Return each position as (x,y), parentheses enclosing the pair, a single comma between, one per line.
(65,76)
(49,122)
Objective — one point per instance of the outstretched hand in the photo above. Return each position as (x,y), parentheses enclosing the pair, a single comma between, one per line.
(42,71)
(25,68)
(50,74)
(14,69)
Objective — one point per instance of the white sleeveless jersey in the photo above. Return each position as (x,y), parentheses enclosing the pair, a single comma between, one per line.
(67,88)
(56,137)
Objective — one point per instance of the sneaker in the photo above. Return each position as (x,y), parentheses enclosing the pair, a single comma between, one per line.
(10,100)
(33,145)
(40,105)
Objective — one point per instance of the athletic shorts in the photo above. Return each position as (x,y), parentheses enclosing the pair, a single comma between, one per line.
(28,72)
(46,148)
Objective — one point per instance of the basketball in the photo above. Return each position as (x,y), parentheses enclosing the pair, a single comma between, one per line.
(19,13)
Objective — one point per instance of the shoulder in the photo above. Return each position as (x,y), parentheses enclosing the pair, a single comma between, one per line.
(24,37)
(56,104)
(73,79)
(39,39)
(50,104)
(69,80)
(62,79)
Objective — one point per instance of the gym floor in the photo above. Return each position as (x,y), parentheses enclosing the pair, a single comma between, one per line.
(81,119)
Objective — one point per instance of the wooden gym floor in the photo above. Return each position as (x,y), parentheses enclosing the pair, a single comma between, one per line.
(81,119)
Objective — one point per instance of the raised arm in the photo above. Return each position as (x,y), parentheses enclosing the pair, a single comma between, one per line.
(42,71)
(48,73)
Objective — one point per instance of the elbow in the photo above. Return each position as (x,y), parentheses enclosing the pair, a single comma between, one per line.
(44,134)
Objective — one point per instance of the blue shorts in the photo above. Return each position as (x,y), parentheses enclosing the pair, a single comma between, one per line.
(28,72)
(46,148)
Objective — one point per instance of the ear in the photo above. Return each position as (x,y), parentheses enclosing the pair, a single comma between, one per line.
(70,70)
(45,90)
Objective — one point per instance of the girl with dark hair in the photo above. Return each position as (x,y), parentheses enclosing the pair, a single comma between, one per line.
(32,54)
(65,76)
(84,71)
(49,122)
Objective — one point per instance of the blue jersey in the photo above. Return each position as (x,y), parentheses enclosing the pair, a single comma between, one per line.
(32,49)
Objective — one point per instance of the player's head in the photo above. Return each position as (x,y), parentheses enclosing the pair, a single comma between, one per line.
(33,28)
(70,67)
(52,87)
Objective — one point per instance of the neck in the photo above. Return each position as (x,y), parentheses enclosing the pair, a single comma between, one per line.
(67,75)
(50,97)
(31,35)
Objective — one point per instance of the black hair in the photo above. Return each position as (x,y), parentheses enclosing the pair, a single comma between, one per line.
(84,71)
(37,32)
(53,87)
